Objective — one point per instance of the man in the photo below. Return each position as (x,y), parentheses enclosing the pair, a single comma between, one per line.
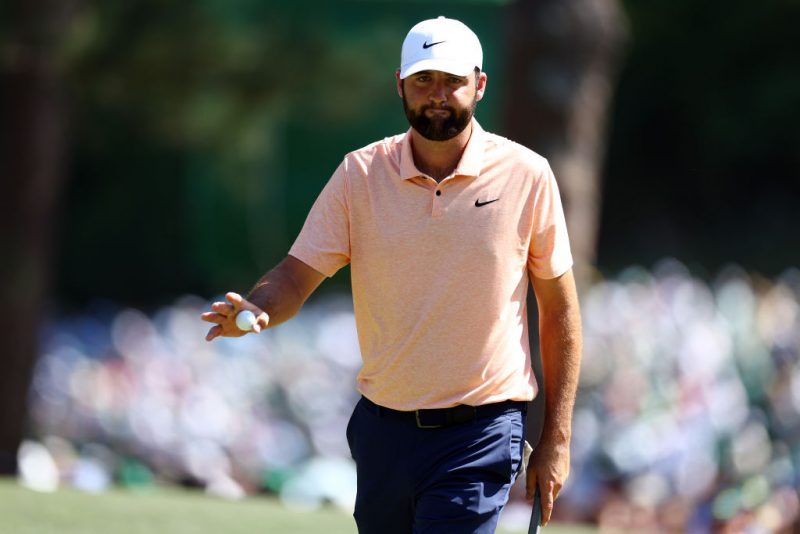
(443,227)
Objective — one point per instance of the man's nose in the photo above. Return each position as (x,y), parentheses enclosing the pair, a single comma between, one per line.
(438,93)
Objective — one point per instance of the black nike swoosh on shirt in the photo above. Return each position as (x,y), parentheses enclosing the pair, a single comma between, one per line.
(426,45)
(478,203)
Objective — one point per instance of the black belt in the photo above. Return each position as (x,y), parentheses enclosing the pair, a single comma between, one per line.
(441,417)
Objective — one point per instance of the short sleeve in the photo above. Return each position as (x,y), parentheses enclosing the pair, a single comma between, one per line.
(324,241)
(549,253)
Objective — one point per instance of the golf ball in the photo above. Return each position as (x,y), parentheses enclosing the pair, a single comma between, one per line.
(245,320)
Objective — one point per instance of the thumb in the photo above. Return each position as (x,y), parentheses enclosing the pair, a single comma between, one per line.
(263,320)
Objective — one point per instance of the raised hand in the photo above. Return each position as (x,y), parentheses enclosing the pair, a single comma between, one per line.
(223,315)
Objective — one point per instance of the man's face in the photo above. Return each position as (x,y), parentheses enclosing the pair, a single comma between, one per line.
(439,105)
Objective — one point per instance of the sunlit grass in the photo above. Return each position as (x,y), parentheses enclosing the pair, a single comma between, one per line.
(166,511)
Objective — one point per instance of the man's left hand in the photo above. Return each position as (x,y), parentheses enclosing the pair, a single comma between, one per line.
(548,467)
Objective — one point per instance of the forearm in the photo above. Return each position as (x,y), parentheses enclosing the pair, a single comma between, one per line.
(561,345)
(560,334)
(280,293)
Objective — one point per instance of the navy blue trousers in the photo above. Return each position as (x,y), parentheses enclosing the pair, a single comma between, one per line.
(449,480)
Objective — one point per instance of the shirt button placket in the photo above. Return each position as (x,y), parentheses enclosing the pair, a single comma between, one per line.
(437,204)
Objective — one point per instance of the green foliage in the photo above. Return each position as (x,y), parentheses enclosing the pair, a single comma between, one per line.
(203,131)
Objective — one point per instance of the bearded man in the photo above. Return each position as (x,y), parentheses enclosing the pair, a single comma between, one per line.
(444,227)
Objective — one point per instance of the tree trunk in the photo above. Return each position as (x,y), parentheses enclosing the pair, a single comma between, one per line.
(562,65)
(563,57)
(31,176)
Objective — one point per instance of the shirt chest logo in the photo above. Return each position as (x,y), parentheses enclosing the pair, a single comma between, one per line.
(478,203)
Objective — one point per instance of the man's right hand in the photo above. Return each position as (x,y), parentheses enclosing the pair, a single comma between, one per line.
(223,315)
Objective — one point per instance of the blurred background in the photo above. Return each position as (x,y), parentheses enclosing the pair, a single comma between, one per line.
(155,154)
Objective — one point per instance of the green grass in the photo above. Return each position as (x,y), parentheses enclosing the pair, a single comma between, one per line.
(167,511)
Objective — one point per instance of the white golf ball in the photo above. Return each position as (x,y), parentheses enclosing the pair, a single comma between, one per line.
(245,320)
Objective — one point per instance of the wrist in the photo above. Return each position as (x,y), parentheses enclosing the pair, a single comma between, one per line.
(556,437)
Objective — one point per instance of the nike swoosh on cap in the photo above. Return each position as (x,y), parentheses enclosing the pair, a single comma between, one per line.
(426,45)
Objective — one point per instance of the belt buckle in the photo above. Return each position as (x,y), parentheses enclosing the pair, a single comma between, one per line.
(419,423)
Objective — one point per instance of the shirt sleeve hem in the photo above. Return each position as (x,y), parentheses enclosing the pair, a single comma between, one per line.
(553,272)
(313,262)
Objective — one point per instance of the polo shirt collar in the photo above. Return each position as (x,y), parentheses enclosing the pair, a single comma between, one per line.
(469,165)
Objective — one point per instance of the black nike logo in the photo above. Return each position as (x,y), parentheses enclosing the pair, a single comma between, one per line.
(478,203)
(426,45)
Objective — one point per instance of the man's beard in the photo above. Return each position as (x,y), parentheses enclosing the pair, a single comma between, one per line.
(438,128)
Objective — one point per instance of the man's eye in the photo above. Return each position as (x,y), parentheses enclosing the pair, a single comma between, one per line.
(456,81)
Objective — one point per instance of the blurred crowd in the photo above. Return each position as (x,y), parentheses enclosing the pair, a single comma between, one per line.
(687,417)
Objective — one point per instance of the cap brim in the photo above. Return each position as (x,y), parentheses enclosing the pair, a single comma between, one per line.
(459,68)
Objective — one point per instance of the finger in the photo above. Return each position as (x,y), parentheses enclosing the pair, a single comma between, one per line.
(212,317)
(235,299)
(547,496)
(222,308)
(530,483)
(213,332)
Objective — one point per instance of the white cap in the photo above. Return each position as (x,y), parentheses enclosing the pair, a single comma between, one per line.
(441,44)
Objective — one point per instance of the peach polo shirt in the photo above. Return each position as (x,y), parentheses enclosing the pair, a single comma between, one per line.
(440,271)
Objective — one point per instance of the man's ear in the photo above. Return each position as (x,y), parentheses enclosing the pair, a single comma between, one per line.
(399,83)
(480,86)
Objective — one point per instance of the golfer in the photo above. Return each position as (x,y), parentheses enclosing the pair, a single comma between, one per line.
(444,227)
